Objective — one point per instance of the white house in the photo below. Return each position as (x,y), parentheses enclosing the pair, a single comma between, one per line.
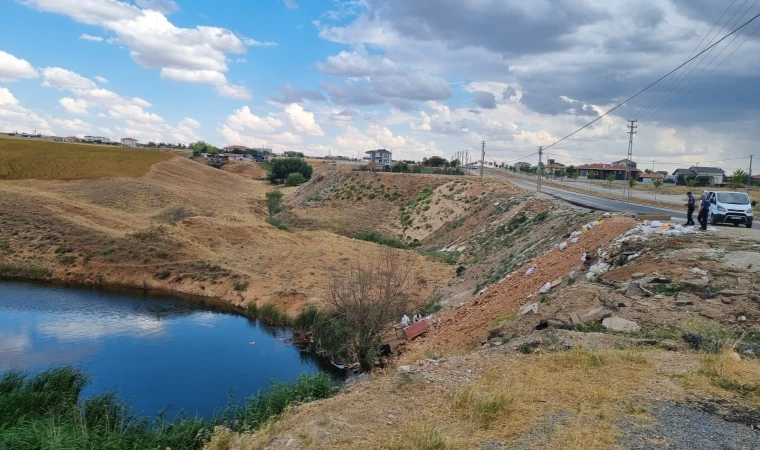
(382,156)
(128,142)
(102,139)
(650,177)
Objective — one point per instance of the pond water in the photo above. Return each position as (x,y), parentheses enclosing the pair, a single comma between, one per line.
(154,350)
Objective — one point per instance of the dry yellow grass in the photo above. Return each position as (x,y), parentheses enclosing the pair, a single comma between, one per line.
(23,159)
(465,401)
(212,217)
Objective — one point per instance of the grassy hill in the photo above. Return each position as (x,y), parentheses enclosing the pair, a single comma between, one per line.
(22,159)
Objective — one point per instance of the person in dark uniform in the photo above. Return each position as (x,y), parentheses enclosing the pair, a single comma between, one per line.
(704,208)
(690,209)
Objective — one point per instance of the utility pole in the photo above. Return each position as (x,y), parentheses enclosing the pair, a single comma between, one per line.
(538,170)
(482,158)
(749,175)
(632,126)
(652,166)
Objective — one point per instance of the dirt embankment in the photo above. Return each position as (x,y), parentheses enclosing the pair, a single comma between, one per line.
(182,227)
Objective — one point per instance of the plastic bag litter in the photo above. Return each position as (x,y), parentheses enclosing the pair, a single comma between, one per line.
(575,234)
(689,229)
(584,257)
(646,229)
(634,256)
(545,288)
(655,224)
(562,245)
(574,240)
(530,271)
(528,308)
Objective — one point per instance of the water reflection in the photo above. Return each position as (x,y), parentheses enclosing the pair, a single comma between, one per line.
(156,350)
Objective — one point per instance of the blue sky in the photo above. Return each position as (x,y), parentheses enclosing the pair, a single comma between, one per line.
(422,78)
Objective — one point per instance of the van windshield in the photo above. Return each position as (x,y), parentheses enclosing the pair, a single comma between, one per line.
(733,198)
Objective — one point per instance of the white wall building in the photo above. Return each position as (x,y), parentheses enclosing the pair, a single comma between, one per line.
(102,139)
(129,142)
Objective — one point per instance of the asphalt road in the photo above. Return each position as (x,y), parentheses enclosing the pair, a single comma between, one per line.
(598,203)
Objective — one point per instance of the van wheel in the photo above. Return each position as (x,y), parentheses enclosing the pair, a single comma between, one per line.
(712,219)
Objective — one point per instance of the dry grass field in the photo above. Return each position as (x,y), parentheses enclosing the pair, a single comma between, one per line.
(24,159)
(182,226)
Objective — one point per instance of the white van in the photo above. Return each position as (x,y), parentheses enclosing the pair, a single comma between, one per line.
(732,208)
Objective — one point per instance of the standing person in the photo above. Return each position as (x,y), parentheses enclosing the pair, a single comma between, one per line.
(690,209)
(704,207)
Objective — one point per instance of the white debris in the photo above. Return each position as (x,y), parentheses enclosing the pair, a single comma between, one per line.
(574,240)
(634,256)
(575,234)
(584,257)
(562,245)
(655,224)
(698,271)
(528,308)
(530,271)
(545,288)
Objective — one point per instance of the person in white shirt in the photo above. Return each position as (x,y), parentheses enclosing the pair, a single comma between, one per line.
(405,321)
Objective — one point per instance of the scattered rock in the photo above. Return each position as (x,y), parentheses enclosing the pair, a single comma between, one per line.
(685,299)
(611,304)
(695,285)
(743,281)
(575,319)
(726,300)
(735,356)
(754,297)
(530,307)
(596,315)
(732,293)
(554,322)
(742,318)
(405,368)
(698,271)
(635,290)
(620,324)
(638,275)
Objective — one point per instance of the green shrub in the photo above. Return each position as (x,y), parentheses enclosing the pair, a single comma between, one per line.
(274,202)
(271,314)
(295,179)
(277,223)
(241,285)
(373,236)
(281,168)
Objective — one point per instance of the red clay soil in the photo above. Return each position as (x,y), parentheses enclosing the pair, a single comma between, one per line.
(462,326)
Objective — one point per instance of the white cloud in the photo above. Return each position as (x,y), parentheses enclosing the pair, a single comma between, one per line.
(303,121)
(234,91)
(101,80)
(74,106)
(89,37)
(254,43)
(189,122)
(290,4)
(14,117)
(59,78)
(243,120)
(155,42)
(194,76)
(134,113)
(72,126)
(162,6)
(14,69)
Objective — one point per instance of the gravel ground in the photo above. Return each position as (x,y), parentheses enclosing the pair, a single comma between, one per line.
(676,427)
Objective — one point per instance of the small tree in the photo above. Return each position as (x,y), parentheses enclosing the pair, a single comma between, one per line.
(274,202)
(610,179)
(657,184)
(681,180)
(738,179)
(373,295)
(631,183)
(295,179)
(691,182)
(282,167)
(591,174)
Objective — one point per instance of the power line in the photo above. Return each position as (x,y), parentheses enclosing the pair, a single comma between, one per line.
(674,97)
(655,82)
(670,81)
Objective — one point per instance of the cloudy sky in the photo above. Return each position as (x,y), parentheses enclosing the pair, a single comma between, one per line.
(422,77)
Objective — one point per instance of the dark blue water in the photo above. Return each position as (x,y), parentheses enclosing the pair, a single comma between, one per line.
(155,350)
